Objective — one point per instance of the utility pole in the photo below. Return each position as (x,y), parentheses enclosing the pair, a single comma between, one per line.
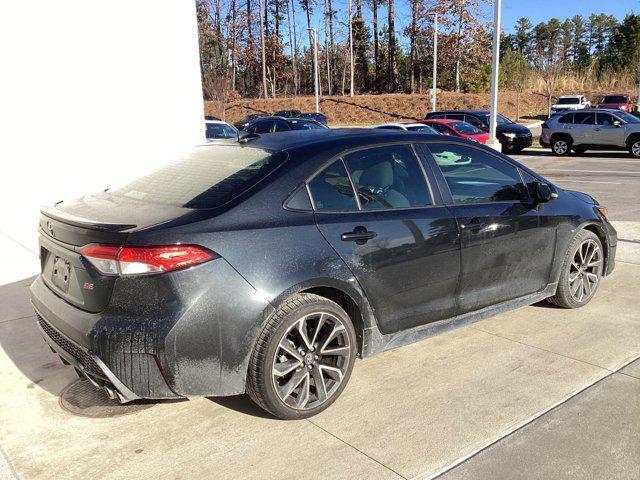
(495,67)
(315,66)
(351,62)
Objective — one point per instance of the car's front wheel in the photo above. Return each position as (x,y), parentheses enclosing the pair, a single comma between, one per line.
(581,271)
(303,357)
(561,146)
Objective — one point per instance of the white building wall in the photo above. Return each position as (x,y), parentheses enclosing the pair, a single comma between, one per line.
(91,95)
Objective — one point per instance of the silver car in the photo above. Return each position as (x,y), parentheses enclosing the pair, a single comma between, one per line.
(592,129)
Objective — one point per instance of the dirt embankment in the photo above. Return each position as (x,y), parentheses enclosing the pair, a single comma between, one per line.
(371,109)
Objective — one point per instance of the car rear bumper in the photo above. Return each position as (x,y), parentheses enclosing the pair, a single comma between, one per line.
(184,333)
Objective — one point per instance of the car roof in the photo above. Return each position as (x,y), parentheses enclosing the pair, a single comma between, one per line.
(287,141)
(571,95)
(443,120)
(217,122)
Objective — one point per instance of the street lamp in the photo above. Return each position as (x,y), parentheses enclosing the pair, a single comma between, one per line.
(495,67)
(435,59)
(315,66)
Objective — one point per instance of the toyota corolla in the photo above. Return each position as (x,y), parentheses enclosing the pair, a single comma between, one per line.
(267,266)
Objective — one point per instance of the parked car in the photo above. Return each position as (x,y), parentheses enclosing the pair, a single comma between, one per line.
(281,124)
(219,130)
(412,127)
(245,121)
(618,101)
(570,102)
(513,137)
(457,128)
(318,117)
(268,266)
(210,117)
(287,113)
(594,129)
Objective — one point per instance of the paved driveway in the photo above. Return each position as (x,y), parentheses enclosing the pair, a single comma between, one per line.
(498,387)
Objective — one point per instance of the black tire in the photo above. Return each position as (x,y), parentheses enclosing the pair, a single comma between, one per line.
(634,147)
(564,296)
(262,384)
(561,146)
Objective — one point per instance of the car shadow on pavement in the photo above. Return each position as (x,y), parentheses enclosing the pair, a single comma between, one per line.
(537,152)
(22,342)
(241,404)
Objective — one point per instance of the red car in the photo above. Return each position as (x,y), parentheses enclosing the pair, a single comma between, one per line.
(457,128)
(619,101)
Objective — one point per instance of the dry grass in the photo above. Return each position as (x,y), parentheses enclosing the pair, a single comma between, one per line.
(371,109)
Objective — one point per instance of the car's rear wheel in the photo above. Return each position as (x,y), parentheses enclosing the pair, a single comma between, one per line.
(581,271)
(303,357)
(561,146)
(634,147)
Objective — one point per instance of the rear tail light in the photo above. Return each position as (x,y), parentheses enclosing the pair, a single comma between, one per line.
(140,260)
(544,125)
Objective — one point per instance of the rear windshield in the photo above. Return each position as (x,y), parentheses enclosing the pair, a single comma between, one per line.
(465,128)
(614,99)
(568,101)
(207,177)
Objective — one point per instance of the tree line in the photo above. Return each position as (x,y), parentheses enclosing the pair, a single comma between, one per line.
(255,48)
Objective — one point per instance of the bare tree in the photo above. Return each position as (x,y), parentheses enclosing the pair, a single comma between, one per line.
(293,45)
(351,59)
(550,69)
(264,56)
(392,67)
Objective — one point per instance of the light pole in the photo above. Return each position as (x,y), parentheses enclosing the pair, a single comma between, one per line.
(315,66)
(495,67)
(435,60)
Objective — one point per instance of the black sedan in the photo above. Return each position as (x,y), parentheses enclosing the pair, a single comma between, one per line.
(243,122)
(268,265)
(281,124)
(317,116)
(512,136)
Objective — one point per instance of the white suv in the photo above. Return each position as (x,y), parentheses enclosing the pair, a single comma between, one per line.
(593,129)
(570,102)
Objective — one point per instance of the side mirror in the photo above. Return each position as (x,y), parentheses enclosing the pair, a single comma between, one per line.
(616,123)
(543,193)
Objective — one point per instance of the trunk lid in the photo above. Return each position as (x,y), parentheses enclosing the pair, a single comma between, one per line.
(103,219)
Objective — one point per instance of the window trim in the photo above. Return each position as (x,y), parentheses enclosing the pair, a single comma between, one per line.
(420,159)
(450,201)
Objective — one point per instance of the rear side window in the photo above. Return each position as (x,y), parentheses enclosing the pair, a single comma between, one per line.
(474,176)
(331,189)
(281,126)
(455,116)
(441,128)
(568,118)
(206,178)
(388,177)
(474,121)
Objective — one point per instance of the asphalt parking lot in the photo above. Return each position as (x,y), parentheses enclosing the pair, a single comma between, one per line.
(538,392)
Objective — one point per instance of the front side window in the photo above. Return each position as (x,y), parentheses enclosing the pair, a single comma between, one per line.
(281,126)
(442,128)
(474,121)
(331,189)
(605,119)
(475,176)
(465,128)
(388,177)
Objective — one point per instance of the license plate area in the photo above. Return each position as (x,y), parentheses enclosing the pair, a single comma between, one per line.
(61,273)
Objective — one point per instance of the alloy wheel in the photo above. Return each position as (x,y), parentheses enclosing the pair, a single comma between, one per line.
(635,149)
(584,272)
(311,361)
(560,147)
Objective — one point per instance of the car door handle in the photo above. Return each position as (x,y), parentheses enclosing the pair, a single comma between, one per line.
(359,235)
(474,225)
